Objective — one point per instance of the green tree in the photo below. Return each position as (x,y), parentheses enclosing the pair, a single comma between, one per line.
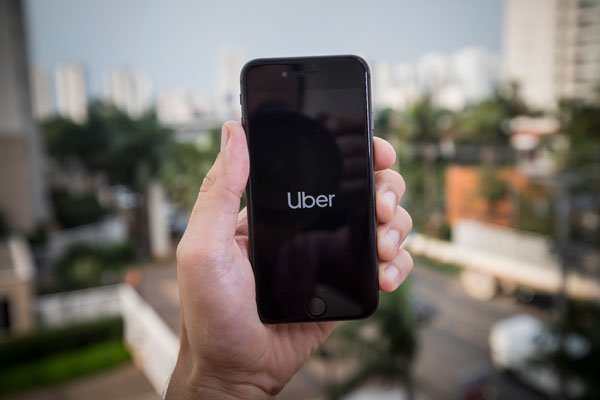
(384,346)
(424,122)
(185,166)
(126,150)
(111,144)
(486,122)
(581,124)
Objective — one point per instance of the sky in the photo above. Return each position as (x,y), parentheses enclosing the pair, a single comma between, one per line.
(175,43)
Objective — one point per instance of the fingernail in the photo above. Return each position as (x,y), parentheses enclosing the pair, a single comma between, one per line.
(225,134)
(390,200)
(392,274)
(394,237)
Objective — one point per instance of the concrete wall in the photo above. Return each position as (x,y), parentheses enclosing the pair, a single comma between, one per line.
(16,284)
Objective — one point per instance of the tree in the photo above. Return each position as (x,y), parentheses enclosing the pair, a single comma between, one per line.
(577,240)
(184,169)
(486,122)
(111,144)
(384,345)
(126,150)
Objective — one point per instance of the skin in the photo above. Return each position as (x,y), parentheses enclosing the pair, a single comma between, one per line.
(225,351)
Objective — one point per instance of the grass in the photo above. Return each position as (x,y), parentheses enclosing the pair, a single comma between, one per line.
(438,266)
(63,367)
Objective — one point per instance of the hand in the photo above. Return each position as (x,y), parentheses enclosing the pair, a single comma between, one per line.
(226,352)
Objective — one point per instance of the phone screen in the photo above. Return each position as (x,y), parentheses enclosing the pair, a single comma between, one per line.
(310,193)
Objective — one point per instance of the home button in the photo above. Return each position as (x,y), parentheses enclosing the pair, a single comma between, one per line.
(316,307)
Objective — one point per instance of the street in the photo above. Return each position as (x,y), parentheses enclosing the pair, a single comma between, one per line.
(453,347)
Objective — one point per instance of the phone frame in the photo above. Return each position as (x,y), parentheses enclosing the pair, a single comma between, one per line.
(371,184)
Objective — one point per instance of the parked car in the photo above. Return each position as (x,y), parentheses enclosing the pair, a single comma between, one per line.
(518,345)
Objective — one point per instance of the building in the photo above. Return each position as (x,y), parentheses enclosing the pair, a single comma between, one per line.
(230,61)
(453,80)
(22,187)
(71,92)
(130,91)
(552,48)
(175,108)
(23,203)
(41,86)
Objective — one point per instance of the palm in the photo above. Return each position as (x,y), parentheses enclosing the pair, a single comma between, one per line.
(271,344)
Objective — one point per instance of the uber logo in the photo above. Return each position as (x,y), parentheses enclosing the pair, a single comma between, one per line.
(304,200)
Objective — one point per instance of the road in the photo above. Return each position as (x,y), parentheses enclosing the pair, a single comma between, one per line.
(454,345)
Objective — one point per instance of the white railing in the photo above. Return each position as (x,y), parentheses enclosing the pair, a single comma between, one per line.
(154,345)
(507,268)
(66,308)
(111,229)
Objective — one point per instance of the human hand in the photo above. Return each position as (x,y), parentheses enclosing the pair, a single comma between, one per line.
(226,351)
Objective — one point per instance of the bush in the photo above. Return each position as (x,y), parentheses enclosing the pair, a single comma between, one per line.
(87,265)
(73,210)
(63,367)
(32,347)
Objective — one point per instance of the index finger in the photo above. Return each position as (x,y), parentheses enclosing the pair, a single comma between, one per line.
(384,154)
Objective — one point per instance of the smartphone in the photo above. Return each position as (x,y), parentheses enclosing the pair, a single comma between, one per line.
(310,196)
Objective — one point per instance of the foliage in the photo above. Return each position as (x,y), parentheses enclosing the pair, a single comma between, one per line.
(424,122)
(493,188)
(582,319)
(126,150)
(87,265)
(63,367)
(581,124)
(486,122)
(39,236)
(535,209)
(185,166)
(384,344)
(29,348)
(74,209)
(438,266)
(4,229)
(580,121)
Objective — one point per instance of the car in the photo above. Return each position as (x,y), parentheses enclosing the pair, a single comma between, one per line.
(518,344)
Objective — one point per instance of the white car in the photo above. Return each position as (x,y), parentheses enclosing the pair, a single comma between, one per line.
(516,341)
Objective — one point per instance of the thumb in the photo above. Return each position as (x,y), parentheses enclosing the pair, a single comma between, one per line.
(213,221)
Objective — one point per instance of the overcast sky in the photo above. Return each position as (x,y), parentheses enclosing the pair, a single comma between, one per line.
(175,42)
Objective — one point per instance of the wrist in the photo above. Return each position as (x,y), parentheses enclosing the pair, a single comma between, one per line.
(191,383)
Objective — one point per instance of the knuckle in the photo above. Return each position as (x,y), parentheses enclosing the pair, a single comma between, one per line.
(208,181)
(393,179)
(401,183)
(406,260)
(404,219)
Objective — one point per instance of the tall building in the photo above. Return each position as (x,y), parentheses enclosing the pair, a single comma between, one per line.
(453,80)
(129,90)
(41,92)
(552,48)
(230,61)
(71,92)
(175,108)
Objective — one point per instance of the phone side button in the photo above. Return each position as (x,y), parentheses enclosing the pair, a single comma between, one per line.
(316,307)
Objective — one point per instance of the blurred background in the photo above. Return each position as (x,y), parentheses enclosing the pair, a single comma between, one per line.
(110,114)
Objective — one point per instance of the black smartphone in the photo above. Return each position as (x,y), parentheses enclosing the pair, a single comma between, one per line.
(311,205)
